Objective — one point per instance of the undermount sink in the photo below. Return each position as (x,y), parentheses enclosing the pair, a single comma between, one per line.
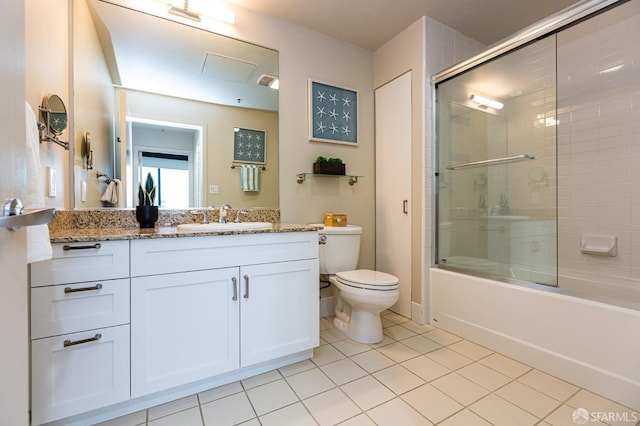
(231,226)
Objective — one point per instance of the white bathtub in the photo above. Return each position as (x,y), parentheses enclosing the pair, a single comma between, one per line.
(591,344)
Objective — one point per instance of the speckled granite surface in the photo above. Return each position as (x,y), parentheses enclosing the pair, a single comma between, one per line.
(121,224)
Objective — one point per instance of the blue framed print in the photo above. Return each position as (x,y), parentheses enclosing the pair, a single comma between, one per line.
(249,146)
(333,114)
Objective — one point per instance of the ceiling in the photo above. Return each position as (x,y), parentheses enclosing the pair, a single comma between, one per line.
(371,23)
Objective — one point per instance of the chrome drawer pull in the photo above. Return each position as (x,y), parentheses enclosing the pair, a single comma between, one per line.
(76,290)
(95,338)
(246,286)
(235,288)
(92,246)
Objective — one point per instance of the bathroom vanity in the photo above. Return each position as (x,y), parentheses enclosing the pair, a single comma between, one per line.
(118,326)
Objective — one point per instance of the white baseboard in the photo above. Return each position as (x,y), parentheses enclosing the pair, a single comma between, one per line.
(327,306)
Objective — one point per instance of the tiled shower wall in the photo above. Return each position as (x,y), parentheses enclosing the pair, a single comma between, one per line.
(599,151)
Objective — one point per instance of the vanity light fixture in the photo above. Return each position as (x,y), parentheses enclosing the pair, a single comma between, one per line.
(213,11)
(486,102)
(269,81)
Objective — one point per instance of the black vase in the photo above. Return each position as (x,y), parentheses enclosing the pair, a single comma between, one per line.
(147,216)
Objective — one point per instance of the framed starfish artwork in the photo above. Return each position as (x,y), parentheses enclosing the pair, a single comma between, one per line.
(249,146)
(333,114)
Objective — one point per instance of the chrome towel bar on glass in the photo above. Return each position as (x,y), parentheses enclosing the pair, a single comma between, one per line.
(493,161)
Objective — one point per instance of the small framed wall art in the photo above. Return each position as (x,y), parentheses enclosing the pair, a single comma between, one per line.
(249,146)
(333,114)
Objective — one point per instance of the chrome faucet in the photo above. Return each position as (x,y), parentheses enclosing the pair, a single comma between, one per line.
(224,209)
(238,213)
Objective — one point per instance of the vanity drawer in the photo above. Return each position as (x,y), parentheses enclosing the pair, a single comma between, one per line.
(80,262)
(76,307)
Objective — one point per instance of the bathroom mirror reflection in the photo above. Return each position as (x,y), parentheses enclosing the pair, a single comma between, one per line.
(158,93)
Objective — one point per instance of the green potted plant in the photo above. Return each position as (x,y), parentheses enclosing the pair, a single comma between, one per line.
(146,211)
(328,166)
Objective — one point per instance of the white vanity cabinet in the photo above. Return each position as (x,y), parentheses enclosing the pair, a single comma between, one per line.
(79,329)
(204,306)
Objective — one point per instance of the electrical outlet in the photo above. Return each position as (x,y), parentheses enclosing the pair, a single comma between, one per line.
(52,186)
(214,189)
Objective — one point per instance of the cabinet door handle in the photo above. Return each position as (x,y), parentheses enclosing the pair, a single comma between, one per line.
(90,246)
(246,286)
(405,206)
(76,290)
(234,280)
(95,338)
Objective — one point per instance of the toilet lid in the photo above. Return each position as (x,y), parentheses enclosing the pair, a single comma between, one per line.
(365,278)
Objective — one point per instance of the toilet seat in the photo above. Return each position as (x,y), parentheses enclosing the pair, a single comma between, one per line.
(475,263)
(368,280)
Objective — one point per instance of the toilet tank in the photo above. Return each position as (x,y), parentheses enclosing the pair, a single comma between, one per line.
(342,248)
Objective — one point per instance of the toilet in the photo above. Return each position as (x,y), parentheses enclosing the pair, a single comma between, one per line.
(445,254)
(361,294)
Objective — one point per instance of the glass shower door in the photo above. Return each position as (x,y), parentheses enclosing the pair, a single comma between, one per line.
(496,198)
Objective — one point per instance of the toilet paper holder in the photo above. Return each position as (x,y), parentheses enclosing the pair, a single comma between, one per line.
(599,245)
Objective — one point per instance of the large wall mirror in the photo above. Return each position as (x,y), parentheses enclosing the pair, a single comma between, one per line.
(169,98)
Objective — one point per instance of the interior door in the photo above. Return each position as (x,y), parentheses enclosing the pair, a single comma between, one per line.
(393,185)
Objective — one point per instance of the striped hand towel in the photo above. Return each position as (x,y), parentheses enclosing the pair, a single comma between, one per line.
(250,177)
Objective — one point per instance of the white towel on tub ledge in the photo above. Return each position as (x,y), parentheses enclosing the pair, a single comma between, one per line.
(249,177)
(38,240)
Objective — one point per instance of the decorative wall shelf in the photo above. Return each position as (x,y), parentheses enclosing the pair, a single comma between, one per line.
(301,177)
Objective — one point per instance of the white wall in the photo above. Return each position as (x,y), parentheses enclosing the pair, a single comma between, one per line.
(14,354)
(426,47)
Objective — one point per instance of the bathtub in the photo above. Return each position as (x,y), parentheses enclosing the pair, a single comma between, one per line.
(589,343)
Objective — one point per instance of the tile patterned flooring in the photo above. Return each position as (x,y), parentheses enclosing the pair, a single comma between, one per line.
(418,375)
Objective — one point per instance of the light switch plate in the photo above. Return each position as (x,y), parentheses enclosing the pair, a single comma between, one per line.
(52,187)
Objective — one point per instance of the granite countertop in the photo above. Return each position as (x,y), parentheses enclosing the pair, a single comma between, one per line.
(134,233)
(120,224)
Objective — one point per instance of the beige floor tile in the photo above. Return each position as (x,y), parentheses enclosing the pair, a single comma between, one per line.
(505,365)
(499,412)
(459,388)
(398,332)
(261,379)
(298,367)
(326,322)
(425,368)
(465,418)
(349,347)
(219,392)
(386,340)
(549,385)
(272,396)
(421,344)
(309,383)
(332,335)
(484,376)
(398,379)
(367,392)
(602,407)
(394,318)
(431,403)
(230,410)
(190,417)
(343,371)
(398,352)
(395,413)
(443,337)
(372,361)
(529,399)
(252,422)
(450,359)
(325,354)
(292,415)
(417,328)
(568,416)
(331,407)
(470,350)
(173,407)
(360,420)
